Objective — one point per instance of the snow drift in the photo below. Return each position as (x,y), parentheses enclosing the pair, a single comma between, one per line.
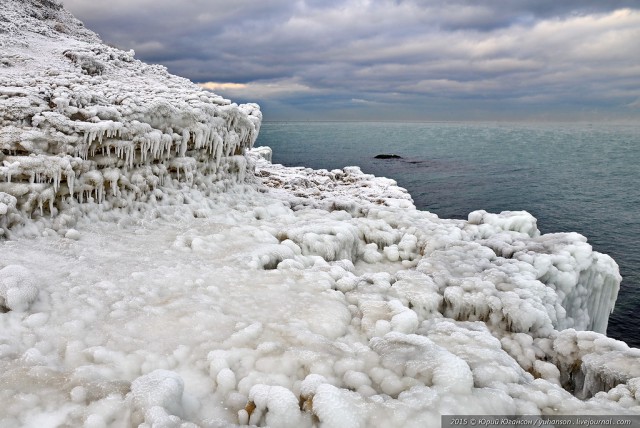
(155,272)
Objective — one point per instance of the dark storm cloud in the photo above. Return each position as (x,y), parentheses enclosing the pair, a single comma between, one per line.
(403,55)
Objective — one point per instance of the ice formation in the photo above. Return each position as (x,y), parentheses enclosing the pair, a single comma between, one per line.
(84,122)
(17,288)
(134,292)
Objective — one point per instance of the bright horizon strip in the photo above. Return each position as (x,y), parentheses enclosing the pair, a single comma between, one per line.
(222,85)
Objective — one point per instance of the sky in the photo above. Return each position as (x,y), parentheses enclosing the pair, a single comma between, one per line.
(392,59)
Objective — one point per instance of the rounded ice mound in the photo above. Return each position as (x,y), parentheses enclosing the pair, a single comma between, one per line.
(158,389)
(274,405)
(335,408)
(263,152)
(516,221)
(18,289)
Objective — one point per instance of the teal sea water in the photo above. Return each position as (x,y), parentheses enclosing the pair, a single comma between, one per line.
(571,177)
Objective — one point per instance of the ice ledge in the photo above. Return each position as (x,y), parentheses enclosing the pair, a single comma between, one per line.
(495,268)
(531,291)
(83,122)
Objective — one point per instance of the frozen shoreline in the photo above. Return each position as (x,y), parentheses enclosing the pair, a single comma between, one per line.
(304,296)
(155,271)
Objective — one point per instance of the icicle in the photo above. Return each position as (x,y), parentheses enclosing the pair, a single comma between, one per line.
(155,143)
(70,181)
(219,152)
(143,149)
(57,179)
(167,145)
(185,139)
(197,139)
(130,156)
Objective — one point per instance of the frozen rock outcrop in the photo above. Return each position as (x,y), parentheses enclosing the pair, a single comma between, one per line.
(82,122)
(590,363)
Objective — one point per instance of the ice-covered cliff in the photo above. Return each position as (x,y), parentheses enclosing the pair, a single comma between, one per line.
(82,122)
(296,297)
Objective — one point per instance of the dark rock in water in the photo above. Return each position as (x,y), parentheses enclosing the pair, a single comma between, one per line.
(387,156)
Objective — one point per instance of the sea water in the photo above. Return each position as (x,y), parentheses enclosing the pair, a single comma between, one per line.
(571,177)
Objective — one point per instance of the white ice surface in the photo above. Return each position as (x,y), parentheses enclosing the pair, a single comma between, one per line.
(154,274)
(249,314)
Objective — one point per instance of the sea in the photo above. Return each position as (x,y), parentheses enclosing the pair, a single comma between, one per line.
(578,177)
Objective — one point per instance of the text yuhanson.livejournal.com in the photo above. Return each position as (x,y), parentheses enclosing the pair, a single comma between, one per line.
(505,421)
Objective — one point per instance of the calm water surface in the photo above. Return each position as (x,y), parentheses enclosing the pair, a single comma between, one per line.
(571,177)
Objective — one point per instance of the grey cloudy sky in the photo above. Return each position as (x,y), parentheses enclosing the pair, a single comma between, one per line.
(393,59)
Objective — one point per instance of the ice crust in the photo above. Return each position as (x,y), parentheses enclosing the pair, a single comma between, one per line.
(212,288)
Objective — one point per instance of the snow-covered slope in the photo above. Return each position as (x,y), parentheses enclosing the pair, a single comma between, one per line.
(134,292)
(84,122)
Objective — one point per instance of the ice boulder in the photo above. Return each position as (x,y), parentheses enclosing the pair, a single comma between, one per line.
(336,407)
(18,288)
(516,221)
(274,406)
(157,397)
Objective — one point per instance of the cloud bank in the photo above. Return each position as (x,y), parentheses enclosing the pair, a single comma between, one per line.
(393,59)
